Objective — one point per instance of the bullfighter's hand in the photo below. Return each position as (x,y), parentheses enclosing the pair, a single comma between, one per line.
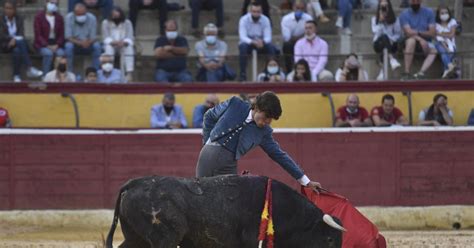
(314,185)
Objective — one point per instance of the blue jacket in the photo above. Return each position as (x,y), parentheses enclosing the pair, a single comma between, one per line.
(158,116)
(230,115)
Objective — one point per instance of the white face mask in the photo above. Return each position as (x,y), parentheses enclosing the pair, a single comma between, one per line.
(272,69)
(211,39)
(51,7)
(81,19)
(310,37)
(107,67)
(444,17)
(171,35)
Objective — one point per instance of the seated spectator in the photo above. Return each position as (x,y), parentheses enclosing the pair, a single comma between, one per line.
(171,51)
(81,36)
(293,29)
(352,115)
(351,70)
(470,118)
(388,114)
(197,5)
(314,50)
(4,118)
(108,74)
(272,72)
(199,111)
(344,16)
(90,75)
(255,32)
(136,5)
(212,54)
(249,97)
(49,34)
(438,114)
(168,114)
(61,73)
(314,8)
(418,24)
(12,40)
(119,39)
(105,6)
(445,40)
(387,31)
(300,73)
(264,3)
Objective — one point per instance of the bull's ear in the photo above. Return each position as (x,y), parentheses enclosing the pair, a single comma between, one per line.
(332,223)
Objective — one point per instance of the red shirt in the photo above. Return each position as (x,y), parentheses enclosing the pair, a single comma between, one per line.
(361,114)
(3,117)
(391,118)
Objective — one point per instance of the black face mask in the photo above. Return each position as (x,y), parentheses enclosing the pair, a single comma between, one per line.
(415,7)
(383,8)
(168,109)
(62,68)
(116,21)
(255,19)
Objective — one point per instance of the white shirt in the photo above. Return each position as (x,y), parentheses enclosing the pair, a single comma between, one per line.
(290,27)
(250,30)
(451,42)
(393,31)
(51,21)
(11,27)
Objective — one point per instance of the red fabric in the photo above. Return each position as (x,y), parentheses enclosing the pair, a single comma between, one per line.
(42,28)
(391,118)
(266,222)
(361,114)
(361,233)
(3,117)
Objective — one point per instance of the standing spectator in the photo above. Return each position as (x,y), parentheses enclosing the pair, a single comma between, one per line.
(352,115)
(265,7)
(314,8)
(118,38)
(198,114)
(314,50)
(212,53)
(255,32)
(49,34)
(5,121)
(171,51)
(12,40)
(351,70)
(445,40)
(293,29)
(272,72)
(60,74)
(136,5)
(388,114)
(90,75)
(197,5)
(168,114)
(418,24)
(438,114)
(81,32)
(344,15)
(387,32)
(301,72)
(105,6)
(108,74)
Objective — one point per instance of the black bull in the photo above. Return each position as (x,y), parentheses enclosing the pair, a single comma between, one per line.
(223,211)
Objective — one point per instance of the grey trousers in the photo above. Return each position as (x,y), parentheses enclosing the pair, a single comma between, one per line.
(215,160)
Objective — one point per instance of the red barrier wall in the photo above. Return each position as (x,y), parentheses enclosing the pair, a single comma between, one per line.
(64,171)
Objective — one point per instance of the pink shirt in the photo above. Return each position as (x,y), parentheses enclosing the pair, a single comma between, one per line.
(315,52)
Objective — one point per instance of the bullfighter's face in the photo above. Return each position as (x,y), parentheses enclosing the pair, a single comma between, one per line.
(261,118)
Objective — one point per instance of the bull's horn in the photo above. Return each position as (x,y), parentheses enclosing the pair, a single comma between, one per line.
(330,221)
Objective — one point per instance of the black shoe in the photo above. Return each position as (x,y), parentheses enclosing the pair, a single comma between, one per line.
(406,77)
(242,78)
(221,33)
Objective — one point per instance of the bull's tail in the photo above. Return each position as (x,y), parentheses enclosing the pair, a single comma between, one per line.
(110,236)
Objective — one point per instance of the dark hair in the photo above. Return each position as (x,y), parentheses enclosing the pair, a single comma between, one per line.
(256,4)
(307,73)
(388,97)
(353,74)
(12,2)
(269,103)
(391,18)
(430,113)
(169,96)
(312,22)
(271,58)
(121,13)
(90,69)
(440,7)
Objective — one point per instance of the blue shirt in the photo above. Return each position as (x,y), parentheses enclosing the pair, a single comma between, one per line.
(419,21)
(250,30)
(159,118)
(198,115)
(115,77)
(175,64)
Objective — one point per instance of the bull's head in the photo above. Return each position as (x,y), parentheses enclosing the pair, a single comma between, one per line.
(329,232)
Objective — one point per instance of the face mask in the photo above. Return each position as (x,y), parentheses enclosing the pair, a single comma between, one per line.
(351,111)
(444,17)
(383,8)
(272,69)
(415,7)
(298,14)
(211,39)
(62,68)
(51,7)
(168,109)
(255,18)
(81,19)
(107,67)
(171,35)
(116,21)
(310,37)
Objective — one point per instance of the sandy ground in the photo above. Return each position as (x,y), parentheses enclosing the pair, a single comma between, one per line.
(23,237)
